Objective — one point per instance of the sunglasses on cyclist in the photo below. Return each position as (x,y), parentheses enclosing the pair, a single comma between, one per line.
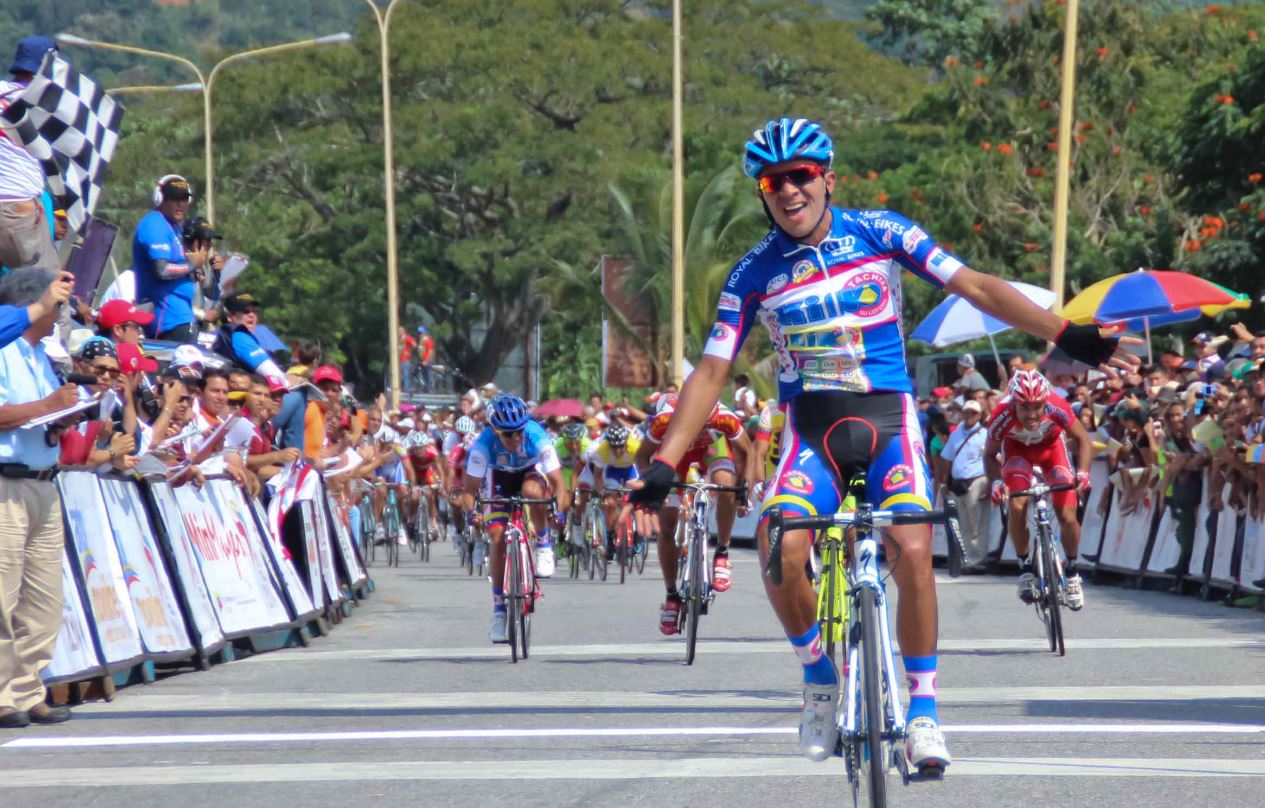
(798,176)
(508,433)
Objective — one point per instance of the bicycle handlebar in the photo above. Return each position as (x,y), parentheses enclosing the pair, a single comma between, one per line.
(712,487)
(511,501)
(1050,489)
(779,524)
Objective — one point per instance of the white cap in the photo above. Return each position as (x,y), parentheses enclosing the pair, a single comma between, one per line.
(972,406)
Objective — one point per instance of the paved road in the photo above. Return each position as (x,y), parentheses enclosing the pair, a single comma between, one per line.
(1160,702)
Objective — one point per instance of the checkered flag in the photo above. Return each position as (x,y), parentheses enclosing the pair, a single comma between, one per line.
(68,123)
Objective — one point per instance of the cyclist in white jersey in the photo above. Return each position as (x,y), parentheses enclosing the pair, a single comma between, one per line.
(826,282)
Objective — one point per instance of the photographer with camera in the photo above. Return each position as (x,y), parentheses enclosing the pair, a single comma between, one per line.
(167,267)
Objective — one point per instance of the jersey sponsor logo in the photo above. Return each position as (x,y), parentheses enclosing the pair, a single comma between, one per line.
(866,294)
(838,337)
(898,477)
(777,283)
(872,292)
(502,460)
(721,333)
(940,262)
(729,302)
(802,271)
(872,214)
(839,247)
(798,482)
(913,237)
(748,258)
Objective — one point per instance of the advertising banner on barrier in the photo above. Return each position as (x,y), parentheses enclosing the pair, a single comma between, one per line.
(1223,552)
(205,622)
(236,573)
(102,571)
(75,655)
(355,573)
(153,597)
(1253,560)
(314,523)
(1092,522)
(290,580)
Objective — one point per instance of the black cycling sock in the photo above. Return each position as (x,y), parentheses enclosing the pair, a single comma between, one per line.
(1024,565)
(1069,569)
(673,594)
(722,551)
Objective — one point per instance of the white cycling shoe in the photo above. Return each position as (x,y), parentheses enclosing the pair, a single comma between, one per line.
(925,748)
(1075,593)
(499,630)
(544,562)
(818,723)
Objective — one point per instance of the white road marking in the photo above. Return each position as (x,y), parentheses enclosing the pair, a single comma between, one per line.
(683,701)
(577,769)
(79,742)
(770,646)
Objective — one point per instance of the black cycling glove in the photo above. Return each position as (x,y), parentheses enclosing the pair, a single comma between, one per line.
(656,485)
(1084,344)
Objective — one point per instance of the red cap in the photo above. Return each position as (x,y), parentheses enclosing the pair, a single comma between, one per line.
(277,384)
(327,373)
(132,360)
(118,312)
(942,392)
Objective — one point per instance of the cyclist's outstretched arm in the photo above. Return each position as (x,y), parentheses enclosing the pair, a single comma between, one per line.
(560,490)
(1084,446)
(699,394)
(991,467)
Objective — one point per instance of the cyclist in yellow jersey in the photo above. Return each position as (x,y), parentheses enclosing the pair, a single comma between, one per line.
(767,450)
(573,447)
(613,463)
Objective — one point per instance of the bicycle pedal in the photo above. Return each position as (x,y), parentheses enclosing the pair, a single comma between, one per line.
(930,771)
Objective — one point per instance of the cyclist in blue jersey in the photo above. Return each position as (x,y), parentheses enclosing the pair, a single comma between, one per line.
(826,282)
(513,456)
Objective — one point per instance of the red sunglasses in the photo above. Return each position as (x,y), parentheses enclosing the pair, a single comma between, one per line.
(798,176)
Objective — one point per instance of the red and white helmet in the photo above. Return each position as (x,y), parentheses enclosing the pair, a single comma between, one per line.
(1029,386)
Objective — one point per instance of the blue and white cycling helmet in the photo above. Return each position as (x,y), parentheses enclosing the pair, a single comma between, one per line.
(507,412)
(784,139)
(465,425)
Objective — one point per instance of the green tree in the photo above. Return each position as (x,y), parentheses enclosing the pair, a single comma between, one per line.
(924,32)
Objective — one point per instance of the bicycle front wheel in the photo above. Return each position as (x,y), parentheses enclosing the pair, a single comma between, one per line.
(1050,593)
(694,602)
(527,605)
(514,597)
(872,691)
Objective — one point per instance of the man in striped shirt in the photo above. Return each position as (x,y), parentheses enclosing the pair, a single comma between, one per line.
(26,237)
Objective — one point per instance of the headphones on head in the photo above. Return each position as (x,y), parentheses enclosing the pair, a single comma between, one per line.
(157,195)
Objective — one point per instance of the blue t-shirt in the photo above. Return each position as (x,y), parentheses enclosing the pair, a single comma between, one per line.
(157,239)
(488,452)
(248,351)
(832,310)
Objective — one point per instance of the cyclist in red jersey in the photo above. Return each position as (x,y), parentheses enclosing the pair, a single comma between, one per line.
(422,470)
(712,450)
(1029,428)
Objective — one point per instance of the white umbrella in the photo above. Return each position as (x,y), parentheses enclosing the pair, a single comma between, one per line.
(955,320)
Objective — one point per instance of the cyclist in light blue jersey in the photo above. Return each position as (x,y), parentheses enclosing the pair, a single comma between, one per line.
(826,282)
(513,456)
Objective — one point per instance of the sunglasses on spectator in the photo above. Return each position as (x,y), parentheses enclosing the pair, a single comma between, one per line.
(106,372)
(799,177)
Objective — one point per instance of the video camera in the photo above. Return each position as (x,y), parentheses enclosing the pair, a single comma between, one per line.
(195,230)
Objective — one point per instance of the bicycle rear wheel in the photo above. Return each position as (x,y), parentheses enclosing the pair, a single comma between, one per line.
(640,558)
(875,768)
(1050,593)
(528,585)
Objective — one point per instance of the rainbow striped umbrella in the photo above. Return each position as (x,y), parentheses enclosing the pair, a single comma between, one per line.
(1152,297)
(1147,293)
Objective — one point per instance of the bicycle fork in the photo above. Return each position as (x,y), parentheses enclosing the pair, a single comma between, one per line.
(868,578)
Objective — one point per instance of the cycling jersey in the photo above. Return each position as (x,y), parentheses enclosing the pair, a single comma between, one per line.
(722,423)
(489,453)
(832,310)
(604,455)
(769,428)
(1005,426)
(565,456)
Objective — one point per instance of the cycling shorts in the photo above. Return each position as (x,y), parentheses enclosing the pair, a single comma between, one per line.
(831,436)
(501,483)
(1051,457)
(614,477)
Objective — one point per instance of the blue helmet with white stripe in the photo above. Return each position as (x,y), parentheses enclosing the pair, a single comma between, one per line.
(786,139)
(507,412)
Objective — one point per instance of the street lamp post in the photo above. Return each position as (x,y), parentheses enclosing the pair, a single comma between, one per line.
(383,19)
(332,39)
(206,83)
(1062,178)
(678,204)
